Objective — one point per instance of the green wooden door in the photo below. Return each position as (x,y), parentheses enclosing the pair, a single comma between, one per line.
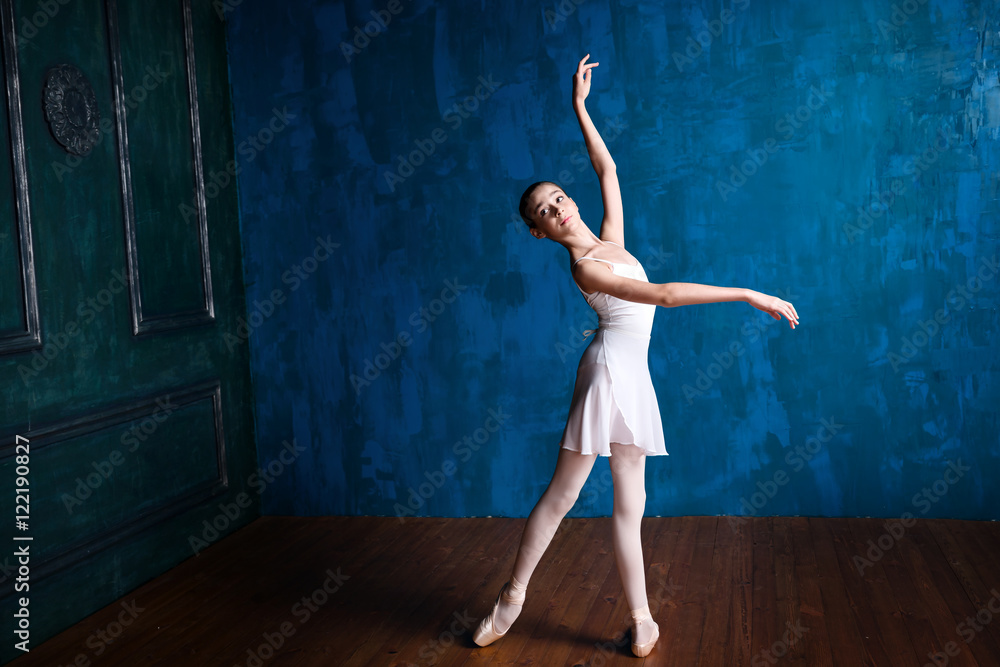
(120,278)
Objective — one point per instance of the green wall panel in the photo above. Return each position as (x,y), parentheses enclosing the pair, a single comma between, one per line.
(123,318)
(155,76)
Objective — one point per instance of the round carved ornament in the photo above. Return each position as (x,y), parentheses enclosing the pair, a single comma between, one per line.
(71,109)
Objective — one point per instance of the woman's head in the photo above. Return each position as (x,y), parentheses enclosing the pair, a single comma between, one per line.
(533,195)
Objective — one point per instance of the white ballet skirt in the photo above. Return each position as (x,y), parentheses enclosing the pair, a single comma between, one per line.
(613,398)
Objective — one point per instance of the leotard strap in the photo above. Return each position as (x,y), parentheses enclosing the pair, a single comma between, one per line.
(596,259)
(604,260)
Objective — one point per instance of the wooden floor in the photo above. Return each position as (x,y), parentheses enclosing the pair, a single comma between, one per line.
(372,591)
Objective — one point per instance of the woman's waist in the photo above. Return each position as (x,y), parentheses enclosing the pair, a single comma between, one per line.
(637,330)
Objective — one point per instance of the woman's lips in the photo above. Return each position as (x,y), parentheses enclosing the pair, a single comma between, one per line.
(566,218)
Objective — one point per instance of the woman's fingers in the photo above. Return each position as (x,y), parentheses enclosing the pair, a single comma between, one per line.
(792,313)
(792,316)
(786,309)
(581,66)
(778,308)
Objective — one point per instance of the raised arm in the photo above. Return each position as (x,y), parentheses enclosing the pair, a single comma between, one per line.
(596,276)
(612,226)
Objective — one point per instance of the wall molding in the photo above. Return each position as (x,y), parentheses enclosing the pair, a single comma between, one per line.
(41,437)
(141,323)
(31,337)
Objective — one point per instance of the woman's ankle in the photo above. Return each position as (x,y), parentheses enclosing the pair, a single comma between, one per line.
(643,625)
(641,613)
(516,589)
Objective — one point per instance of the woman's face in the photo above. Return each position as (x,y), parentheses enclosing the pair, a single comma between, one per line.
(552,211)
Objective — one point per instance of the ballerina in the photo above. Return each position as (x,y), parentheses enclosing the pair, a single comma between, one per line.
(613,411)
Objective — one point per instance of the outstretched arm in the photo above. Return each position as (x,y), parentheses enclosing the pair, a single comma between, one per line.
(612,226)
(594,276)
(687,294)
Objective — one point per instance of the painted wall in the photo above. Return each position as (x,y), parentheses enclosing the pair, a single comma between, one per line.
(842,155)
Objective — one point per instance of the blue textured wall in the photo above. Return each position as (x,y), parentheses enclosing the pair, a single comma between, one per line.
(841,154)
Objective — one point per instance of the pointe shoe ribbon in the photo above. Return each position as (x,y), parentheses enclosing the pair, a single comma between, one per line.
(487,633)
(640,616)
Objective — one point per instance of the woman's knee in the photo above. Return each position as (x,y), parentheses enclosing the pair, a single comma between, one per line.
(571,474)
(563,501)
(630,504)
(559,500)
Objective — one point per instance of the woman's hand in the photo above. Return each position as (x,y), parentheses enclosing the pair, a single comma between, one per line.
(581,80)
(774,307)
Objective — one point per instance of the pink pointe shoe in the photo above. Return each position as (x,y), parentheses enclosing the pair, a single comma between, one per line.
(640,616)
(487,633)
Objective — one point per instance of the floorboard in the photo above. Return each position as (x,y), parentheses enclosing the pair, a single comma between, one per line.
(361,591)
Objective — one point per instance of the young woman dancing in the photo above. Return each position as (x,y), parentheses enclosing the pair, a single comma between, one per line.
(613,411)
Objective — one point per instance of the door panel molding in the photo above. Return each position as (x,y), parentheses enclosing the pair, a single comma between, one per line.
(143,323)
(31,336)
(63,432)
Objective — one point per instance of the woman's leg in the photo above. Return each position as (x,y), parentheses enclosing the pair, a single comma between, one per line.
(572,470)
(628,473)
